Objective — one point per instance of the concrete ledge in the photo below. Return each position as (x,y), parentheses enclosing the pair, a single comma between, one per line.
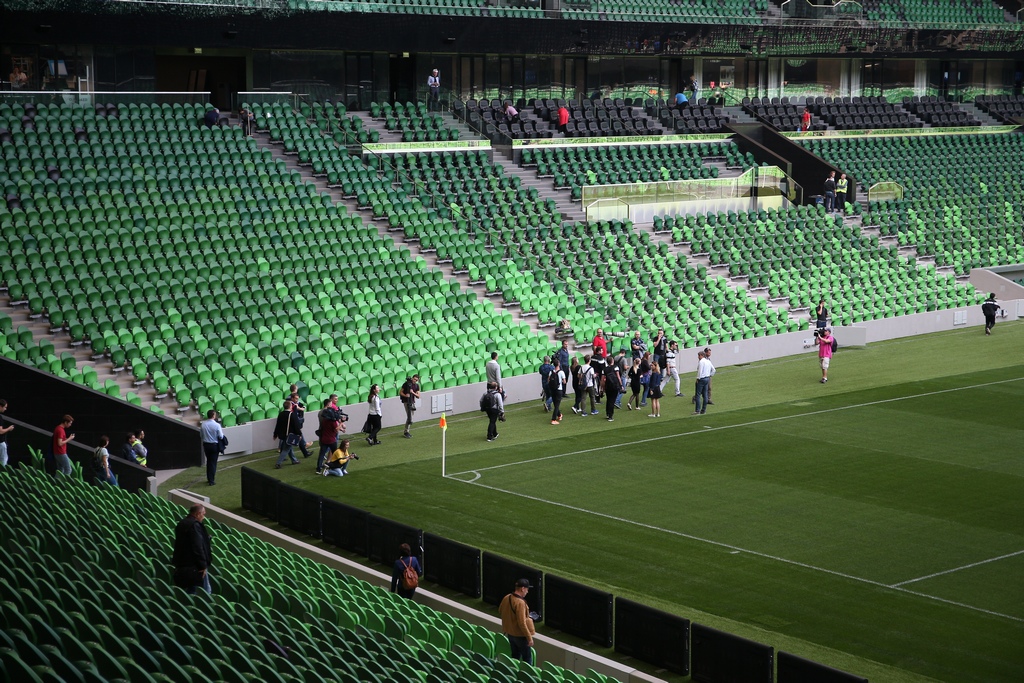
(548,649)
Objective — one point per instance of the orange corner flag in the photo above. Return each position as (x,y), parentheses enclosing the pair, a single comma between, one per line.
(444,423)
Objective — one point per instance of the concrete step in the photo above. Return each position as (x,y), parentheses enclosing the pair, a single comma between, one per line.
(985,118)
(720,271)
(82,352)
(398,236)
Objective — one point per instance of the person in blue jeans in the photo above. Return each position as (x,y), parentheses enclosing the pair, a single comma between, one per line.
(284,436)
(645,374)
(4,428)
(61,437)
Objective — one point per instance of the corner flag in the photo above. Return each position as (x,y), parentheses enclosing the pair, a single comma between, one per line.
(444,442)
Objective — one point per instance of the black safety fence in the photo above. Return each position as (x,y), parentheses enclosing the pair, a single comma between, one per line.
(635,630)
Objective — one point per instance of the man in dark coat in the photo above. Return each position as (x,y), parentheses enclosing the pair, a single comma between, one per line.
(990,308)
(192,558)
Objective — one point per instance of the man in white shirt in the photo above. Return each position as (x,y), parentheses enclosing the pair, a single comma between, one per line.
(588,382)
(493,370)
(672,367)
(212,435)
(705,370)
(434,91)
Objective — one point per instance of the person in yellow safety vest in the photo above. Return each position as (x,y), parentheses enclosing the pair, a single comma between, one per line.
(842,185)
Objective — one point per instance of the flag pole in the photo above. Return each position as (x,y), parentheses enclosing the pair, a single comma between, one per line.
(444,443)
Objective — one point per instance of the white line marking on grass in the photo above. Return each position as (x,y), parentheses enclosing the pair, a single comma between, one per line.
(956,569)
(824,411)
(736,550)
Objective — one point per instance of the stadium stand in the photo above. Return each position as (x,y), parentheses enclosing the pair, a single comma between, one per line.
(1005,108)
(478,205)
(936,112)
(696,118)
(965,212)
(926,12)
(795,252)
(855,113)
(151,190)
(117,615)
(781,113)
(733,12)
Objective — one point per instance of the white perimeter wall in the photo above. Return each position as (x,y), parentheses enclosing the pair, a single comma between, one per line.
(257,436)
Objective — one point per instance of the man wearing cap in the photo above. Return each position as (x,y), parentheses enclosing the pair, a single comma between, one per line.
(516,623)
(990,308)
(824,339)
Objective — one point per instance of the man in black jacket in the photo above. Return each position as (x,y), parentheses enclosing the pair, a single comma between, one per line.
(192,557)
(990,308)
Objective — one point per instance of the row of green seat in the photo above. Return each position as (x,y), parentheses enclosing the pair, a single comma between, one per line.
(89,598)
(802,253)
(962,203)
(252,225)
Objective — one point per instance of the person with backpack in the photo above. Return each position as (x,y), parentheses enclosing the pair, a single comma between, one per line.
(588,386)
(575,371)
(545,374)
(612,385)
(826,346)
(409,394)
(405,577)
(492,404)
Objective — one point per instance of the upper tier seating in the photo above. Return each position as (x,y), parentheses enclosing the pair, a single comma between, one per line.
(961,13)
(88,596)
(853,113)
(403,191)
(733,12)
(1005,108)
(539,119)
(797,253)
(963,202)
(695,118)
(780,113)
(149,192)
(938,113)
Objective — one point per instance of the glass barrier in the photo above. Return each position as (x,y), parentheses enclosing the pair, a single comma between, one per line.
(267,97)
(88,99)
(756,188)
(885,191)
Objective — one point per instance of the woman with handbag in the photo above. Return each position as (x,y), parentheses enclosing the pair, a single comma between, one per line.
(286,436)
(374,417)
(654,388)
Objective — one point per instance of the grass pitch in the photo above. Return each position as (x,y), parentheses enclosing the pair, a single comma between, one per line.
(875,523)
